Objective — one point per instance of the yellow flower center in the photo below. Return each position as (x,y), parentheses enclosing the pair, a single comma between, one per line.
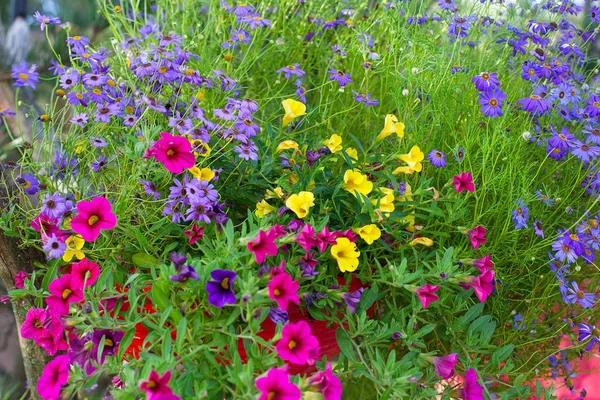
(162,70)
(276,292)
(493,102)
(66,293)
(225,283)
(292,345)
(170,152)
(92,220)
(23,76)
(108,342)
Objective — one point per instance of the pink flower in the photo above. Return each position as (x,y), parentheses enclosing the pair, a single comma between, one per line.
(262,246)
(297,345)
(483,264)
(444,366)
(283,289)
(46,329)
(348,234)
(327,383)
(93,216)
(325,238)
(277,231)
(157,387)
(84,271)
(477,236)
(47,226)
(306,237)
(174,152)
(472,390)
(64,291)
(20,279)
(483,285)
(463,181)
(277,386)
(195,233)
(55,375)
(427,294)
(33,326)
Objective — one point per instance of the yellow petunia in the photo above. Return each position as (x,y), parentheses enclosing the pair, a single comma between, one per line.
(413,159)
(334,143)
(368,233)
(263,208)
(354,181)
(344,252)
(287,144)
(300,203)
(386,203)
(293,109)
(276,193)
(390,126)
(410,220)
(352,153)
(74,245)
(422,240)
(204,174)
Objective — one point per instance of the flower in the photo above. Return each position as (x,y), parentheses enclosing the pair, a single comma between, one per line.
(25,75)
(355,182)
(352,299)
(365,99)
(306,237)
(44,20)
(202,174)
(472,390)
(297,345)
(327,383)
(195,233)
(483,284)
(425,241)
(340,76)
(437,158)
(427,294)
(55,375)
(483,263)
(174,152)
(486,81)
(369,233)
(54,247)
(220,289)
(111,340)
(276,386)
(84,271)
(63,291)
(391,125)
(20,279)
(300,203)
(93,216)
(344,251)
(293,109)
(34,325)
(334,143)
(283,289)
(477,236)
(463,181)
(413,158)
(157,387)
(262,246)
(287,144)
(576,295)
(585,332)
(29,183)
(491,102)
(520,215)
(74,244)
(444,366)
(186,272)
(263,209)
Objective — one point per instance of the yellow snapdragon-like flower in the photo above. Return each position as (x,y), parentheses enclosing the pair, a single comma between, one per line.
(390,126)
(263,208)
(300,203)
(422,240)
(386,203)
(276,193)
(352,153)
(368,233)
(287,144)
(334,143)
(413,159)
(344,252)
(354,181)
(202,174)
(293,109)
(74,245)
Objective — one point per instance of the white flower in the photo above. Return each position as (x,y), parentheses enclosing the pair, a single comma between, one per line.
(405,92)
(527,135)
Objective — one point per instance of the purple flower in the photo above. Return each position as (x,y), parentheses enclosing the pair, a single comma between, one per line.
(111,340)
(54,247)
(593,106)
(366,99)
(150,189)
(247,152)
(340,76)
(595,14)
(247,127)
(25,75)
(81,352)
(352,299)
(91,80)
(79,119)
(105,111)
(276,315)
(584,151)
(67,81)
(449,5)
(459,26)
(520,215)
(291,70)
(29,183)
(538,228)
(576,295)
(255,21)
(437,158)
(486,81)
(44,20)
(6,112)
(186,273)
(563,251)
(54,206)
(178,260)
(491,102)
(588,331)
(534,104)
(100,163)
(220,289)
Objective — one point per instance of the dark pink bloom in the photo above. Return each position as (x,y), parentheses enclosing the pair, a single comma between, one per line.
(483,285)
(47,226)
(325,238)
(472,390)
(84,271)
(52,338)
(93,216)
(483,264)
(174,152)
(477,236)
(297,345)
(64,291)
(34,325)
(157,387)
(427,294)
(262,246)
(444,366)
(348,234)
(327,383)
(306,237)
(195,233)
(20,279)
(277,386)
(463,181)
(277,231)
(283,289)
(55,375)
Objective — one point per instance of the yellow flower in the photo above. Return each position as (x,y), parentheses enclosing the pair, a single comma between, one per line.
(204,174)
(276,193)
(344,251)
(74,245)
(390,126)
(300,203)
(334,143)
(369,233)
(200,148)
(410,219)
(287,144)
(354,181)
(293,109)
(413,159)
(352,153)
(386,203)
(263,208)
(422,240)
(200,95)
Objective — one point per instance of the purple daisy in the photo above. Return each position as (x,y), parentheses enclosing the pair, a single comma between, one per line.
(491,102)
(437,158)
(534,104)
(45,20)
(366,99)
(576,295)
(25,75)
(291,70)
(584,151)
(340,76)
(54,247)
(486,81)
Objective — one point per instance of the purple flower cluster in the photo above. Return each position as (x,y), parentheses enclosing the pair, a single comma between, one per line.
(490,94)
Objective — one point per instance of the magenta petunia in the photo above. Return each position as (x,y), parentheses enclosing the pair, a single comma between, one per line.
(298,345)
(483,264)
(84,271)
(157,387)
(306,237)
(426,294)
(327,384)
(284,290)
(93,216)
(174,152)
(262,246)
(20,279)
(64,291)
(483,285)
(325,238)
(276,385)
(33,326)
(472,390)
(444,366)
(463,181)
(477,236)
(54,376)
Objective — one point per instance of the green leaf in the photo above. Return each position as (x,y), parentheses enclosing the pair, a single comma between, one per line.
(470,315)
(502,354)
(367,299)
(345,344)
(144,260)
(125,343)
(181,333)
